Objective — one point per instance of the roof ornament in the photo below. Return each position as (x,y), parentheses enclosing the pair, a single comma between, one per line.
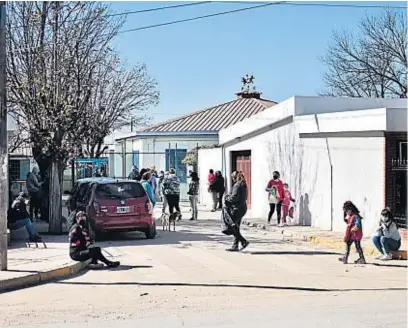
(248,83)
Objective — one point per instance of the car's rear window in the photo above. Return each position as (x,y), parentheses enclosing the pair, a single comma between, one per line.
(120,190)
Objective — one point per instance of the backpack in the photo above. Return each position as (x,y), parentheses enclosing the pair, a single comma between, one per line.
(273,195)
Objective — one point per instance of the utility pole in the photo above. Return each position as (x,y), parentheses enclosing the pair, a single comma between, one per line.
(3,142)
(55,212)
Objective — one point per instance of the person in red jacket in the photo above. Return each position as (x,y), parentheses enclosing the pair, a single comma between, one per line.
(354,232)
(275,196)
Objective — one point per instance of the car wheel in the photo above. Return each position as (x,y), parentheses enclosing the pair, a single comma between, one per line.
(151,232)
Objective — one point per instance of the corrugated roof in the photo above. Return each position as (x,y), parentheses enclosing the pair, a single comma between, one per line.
(214,118)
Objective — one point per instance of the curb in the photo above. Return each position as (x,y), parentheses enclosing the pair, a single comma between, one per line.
(315,239)
(42,277)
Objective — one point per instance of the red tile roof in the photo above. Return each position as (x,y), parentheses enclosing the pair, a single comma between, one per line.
(214,118)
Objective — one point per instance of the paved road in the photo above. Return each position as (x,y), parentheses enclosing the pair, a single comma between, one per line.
(186,279)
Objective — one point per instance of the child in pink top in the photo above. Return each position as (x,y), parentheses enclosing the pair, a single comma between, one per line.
(287,198)
(211,176)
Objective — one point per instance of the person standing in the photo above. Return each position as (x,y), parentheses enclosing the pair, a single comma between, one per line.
(275,196)
(148,188)
(236,206)
(218,189)
(192,193)
(171,185)
(354,232)
(34,191)
(287,198)
(153,180)
(163,195)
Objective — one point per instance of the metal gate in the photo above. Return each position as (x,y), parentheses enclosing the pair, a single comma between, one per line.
(399,172)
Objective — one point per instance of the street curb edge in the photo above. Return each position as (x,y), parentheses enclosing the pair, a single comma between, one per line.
(42,277)
(314,239)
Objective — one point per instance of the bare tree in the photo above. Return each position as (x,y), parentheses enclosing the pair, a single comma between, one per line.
(118,96)
(372,64)
(54,51)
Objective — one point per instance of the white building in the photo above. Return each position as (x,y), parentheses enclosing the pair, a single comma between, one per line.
(328,150)
(166,144)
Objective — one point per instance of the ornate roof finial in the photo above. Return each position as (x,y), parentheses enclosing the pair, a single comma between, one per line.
(247,83)
(248,89)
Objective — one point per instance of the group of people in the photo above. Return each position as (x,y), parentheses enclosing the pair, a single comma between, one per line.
(216,186)
(164,186)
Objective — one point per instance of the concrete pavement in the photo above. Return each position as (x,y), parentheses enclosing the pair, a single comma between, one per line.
(29,265)
(186,279)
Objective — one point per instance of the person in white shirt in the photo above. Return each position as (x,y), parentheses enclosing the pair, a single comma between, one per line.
(386,237)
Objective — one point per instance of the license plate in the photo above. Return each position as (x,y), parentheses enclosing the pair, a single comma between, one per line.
(123,209)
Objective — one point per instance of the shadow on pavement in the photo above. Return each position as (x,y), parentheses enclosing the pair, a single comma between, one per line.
(293,253)
(390,265)
(127,267)
(181,284)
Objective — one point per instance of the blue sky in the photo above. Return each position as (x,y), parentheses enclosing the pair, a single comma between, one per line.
(199,64)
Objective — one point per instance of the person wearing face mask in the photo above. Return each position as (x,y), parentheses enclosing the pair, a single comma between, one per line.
(81,247)
(387,238)
(18,217)
(275,196)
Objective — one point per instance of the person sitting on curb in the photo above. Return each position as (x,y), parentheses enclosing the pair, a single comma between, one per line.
(387,237)
(80,245)
(18,217)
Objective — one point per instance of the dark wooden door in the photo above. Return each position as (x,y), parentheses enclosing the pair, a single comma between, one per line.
(243,164)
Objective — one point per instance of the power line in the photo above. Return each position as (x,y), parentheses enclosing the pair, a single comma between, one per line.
(199,17)
(125,13)
(281,3)
(320,4)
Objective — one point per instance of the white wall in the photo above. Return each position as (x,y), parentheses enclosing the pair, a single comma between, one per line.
(272,151)
(397,119)
(208,159)
(319,105)
(360,120)
(358,175)
(358,167)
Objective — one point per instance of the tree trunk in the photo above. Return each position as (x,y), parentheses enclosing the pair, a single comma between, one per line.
(55,199)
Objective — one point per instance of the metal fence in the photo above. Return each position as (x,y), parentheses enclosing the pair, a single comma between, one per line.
(399,172)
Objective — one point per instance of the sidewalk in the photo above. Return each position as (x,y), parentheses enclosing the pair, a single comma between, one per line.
(317,236)
(33,266)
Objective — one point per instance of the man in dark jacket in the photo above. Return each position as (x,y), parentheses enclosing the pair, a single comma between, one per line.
(34,190)
(218,187)
(236,203)
(18,217)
